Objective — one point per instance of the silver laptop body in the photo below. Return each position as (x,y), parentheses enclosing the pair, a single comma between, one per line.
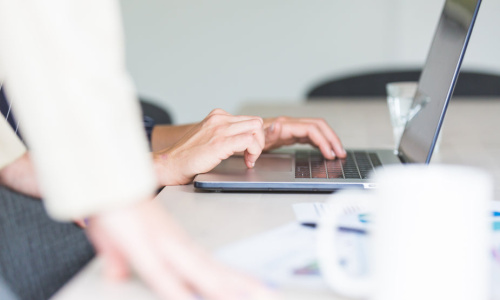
(291,171)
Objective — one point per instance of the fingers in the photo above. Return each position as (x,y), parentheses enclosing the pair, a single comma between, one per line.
(252,145)
(232,118)
(250,159)
(167,260)
(132,236)
(207,143)
(251,126)
(116,266)
(317,138)
(314,131)
(208,278)
(241,133)
(80,223)
(115,263)
(160,277)
(331,137)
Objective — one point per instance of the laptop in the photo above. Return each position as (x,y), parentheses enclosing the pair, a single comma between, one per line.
(307,170)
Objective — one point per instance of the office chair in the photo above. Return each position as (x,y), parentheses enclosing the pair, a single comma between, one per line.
(373,84)
(158,114)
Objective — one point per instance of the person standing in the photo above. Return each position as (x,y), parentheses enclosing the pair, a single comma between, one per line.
(62,63)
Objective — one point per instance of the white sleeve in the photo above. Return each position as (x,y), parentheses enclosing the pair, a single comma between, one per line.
(64,68)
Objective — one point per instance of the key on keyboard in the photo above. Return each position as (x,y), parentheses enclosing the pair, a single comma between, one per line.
(358,164)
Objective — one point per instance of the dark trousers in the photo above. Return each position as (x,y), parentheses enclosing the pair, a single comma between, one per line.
(37,254)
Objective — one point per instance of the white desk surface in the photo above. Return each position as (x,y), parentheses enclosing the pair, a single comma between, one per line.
(470,136)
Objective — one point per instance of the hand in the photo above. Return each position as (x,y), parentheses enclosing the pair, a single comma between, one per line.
(20,176)
(282,131)
(144,237)
(214,139)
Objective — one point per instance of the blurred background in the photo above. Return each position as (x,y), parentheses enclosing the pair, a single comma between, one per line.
(192,56)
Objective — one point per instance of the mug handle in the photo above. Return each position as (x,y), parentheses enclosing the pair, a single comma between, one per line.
(335,276)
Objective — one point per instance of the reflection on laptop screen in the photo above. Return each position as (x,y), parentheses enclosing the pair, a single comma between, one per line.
(438,79)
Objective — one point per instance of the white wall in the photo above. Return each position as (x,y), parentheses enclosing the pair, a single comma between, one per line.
(193,56)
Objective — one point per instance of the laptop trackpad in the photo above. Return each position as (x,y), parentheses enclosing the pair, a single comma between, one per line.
(267,162)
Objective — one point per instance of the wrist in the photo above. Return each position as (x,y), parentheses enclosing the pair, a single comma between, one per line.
(166,171)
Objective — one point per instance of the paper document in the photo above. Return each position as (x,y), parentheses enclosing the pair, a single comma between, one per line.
(285,256)
(309,212)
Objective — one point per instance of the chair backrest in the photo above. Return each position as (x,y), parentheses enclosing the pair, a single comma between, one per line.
(373,84)
(158,114)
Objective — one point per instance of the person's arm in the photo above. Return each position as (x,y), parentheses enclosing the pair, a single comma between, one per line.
(79,115)
(181,152)
(144,237)
(65,75)
(20,177)
(206,144)
(279,131)
(165,136)
(16,169)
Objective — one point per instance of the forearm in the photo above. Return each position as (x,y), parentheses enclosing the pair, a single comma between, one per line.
(20,177)
(165,136)
(80,114)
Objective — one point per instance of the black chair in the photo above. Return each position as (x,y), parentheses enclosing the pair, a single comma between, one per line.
(155,112)
(373,84)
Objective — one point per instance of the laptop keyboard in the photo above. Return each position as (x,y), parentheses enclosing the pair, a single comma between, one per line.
(358,164)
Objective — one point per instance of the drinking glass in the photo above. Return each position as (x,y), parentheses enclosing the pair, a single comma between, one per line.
(399,100)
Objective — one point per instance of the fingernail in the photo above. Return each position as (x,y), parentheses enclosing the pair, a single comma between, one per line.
(252,164)
(343,150)
(333,154)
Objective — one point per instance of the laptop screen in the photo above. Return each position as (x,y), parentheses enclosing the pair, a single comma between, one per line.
(438,79)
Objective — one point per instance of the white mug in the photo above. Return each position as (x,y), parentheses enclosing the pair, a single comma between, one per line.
(429,236)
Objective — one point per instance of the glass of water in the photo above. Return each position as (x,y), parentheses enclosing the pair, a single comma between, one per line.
(399,100)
